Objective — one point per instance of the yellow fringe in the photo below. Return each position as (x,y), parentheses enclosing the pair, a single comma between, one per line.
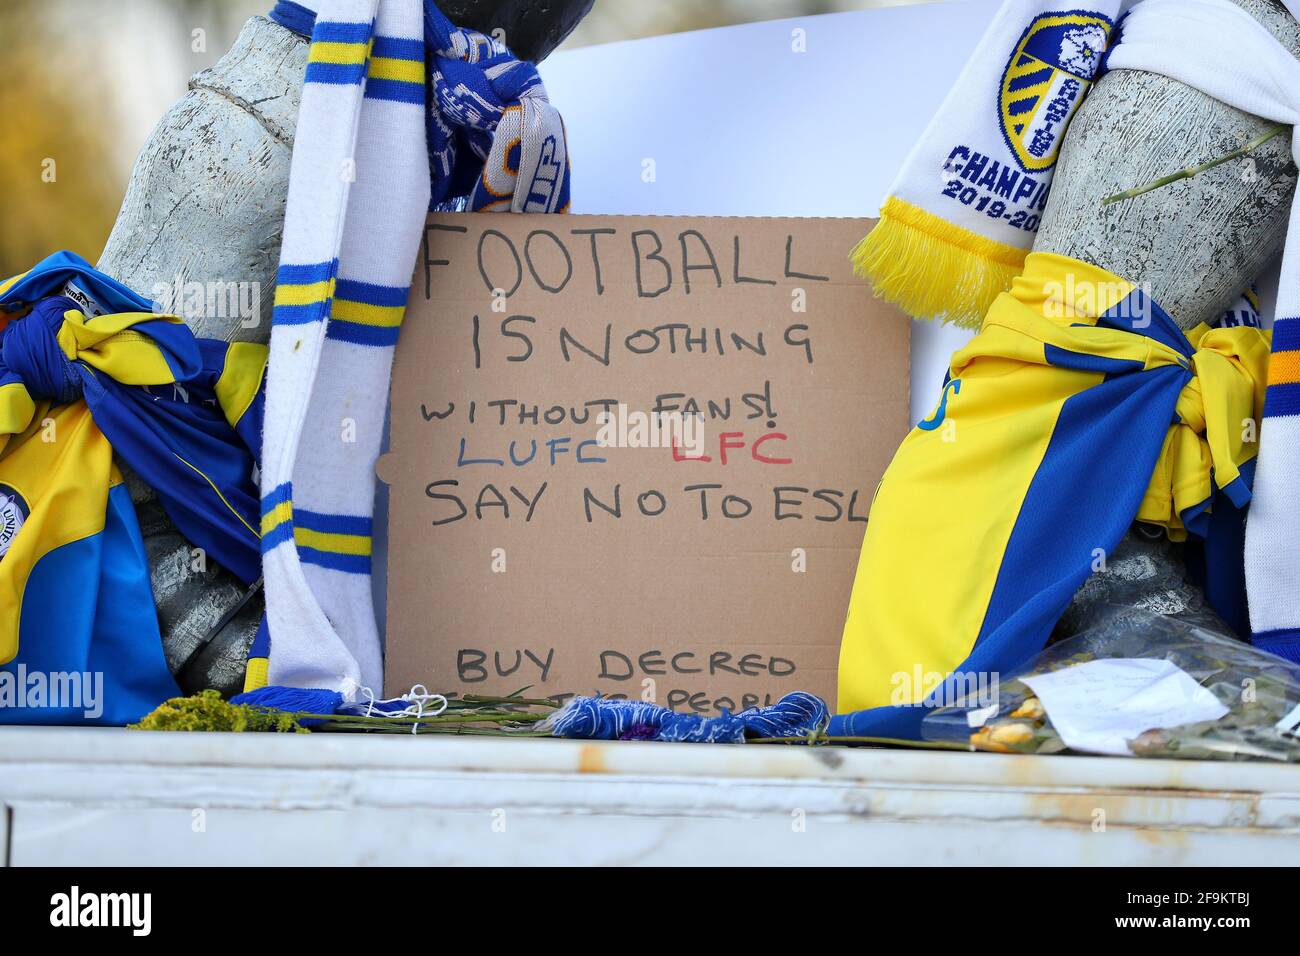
(933,269)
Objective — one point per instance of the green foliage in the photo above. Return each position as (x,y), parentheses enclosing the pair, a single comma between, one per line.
(207,711)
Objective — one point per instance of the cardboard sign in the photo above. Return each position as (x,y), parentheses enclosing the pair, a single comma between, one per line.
(633,456)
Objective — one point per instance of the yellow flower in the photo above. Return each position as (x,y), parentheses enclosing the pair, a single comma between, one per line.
(1006,738)
(1030,709)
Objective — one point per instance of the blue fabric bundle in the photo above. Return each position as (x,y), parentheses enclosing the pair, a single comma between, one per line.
(482,100)
(599,718)
(479,91)
(88,371)
(175,431)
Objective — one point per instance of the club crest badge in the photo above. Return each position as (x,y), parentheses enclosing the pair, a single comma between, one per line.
(1046,78)
(13,514)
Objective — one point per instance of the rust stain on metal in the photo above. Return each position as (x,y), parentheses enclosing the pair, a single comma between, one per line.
(1143,811)
(1130,810)
(1168,838)
(591,759)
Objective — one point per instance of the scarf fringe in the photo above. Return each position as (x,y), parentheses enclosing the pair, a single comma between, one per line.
(933,269)
(797,714)
(298,700)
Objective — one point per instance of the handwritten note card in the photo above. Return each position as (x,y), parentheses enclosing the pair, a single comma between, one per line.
(635,455)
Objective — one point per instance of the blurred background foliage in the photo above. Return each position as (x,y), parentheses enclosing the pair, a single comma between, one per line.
(75,121)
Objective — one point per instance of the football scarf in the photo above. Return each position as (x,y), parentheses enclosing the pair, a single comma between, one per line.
(1051,436)
(964,210)
(375,144)
(87,370)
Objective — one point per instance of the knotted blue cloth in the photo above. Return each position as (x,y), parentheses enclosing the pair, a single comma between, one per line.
(170,427)
(488,120)
(599,718)
(492,106)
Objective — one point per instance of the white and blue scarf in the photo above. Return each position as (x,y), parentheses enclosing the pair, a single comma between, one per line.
(379,139)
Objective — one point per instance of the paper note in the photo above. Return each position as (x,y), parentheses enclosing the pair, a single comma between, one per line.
(1101,705)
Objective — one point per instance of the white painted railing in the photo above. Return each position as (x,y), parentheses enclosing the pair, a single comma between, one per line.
(82,797)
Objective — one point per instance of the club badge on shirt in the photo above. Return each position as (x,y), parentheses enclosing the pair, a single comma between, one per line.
(13,514)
